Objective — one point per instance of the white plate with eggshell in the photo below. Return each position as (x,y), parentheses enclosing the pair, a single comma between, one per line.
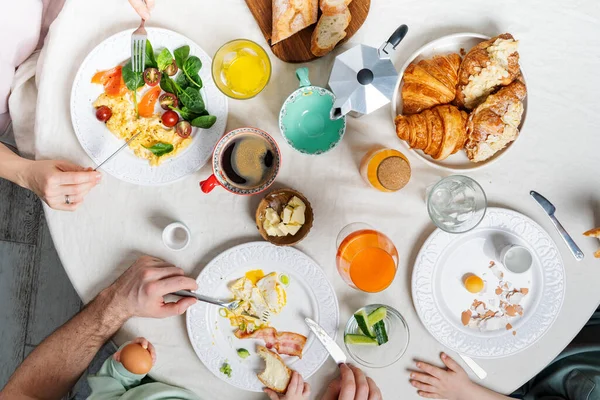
(454,43)
(440,295)
(309,294)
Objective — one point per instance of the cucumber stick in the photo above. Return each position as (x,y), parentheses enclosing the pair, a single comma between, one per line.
(376,315)
(361,318)
(360,339)
(380,333)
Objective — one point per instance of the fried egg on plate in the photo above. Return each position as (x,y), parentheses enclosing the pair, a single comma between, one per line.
(124,124)
(273,293)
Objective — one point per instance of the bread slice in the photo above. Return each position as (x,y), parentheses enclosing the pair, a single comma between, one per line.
(291,16)
(276,375)
(332,7)
(329,31)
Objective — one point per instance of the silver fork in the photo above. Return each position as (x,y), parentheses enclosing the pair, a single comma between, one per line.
(230,305)
(138,48)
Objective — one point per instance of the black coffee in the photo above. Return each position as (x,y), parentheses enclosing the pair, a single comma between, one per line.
(247,161)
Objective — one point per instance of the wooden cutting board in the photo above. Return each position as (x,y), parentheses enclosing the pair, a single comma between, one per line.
(296,48)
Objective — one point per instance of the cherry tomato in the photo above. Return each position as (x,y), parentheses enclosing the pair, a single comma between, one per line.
(171,69)
(170,118)
(168,100)
(184,129)
(103,113)
(151,76)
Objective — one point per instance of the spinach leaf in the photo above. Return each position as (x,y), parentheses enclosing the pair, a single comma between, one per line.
(133,80)
(168,85)
(191,67)
(164,59)
(182,81)
(160,148)
(188,115)
(205,121)
(192,99)
(150,60)
(181,54)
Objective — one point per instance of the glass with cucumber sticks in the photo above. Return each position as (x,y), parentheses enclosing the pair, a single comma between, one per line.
(376,336)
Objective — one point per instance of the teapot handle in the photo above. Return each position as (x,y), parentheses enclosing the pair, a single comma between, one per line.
(302,75)
(394,40)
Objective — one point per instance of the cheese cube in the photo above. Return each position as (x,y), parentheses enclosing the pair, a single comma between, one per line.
(296,202)
(293,229)
(298,216)
(283,228)
(287,214)
(271,216)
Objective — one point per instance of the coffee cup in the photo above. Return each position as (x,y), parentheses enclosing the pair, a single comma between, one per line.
(245,161)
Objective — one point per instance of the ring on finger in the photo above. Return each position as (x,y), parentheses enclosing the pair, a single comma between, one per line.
(67,199)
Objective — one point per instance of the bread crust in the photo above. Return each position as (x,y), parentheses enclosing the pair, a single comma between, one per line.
(289,371)
(314,44)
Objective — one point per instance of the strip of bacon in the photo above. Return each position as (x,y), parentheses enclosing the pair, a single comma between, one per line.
(288,343)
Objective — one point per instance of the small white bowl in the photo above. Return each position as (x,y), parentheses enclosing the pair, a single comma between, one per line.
(515,258)
(176,236)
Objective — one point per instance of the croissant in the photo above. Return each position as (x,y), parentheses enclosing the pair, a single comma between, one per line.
(439,131)
(486,67)
(494,123)
(429,82)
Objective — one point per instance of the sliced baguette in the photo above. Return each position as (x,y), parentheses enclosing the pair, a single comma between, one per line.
(291,16)
(332,7)
(276,375)
(329,31)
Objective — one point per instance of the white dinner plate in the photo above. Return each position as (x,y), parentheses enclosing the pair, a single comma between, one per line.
(440,297)
(309,294)
(99,143)
(458,162)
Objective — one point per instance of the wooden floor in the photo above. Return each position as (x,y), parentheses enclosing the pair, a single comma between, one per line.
(36,296)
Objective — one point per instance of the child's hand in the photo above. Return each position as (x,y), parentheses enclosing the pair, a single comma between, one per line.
(145,344)
(436,383)
(296,390)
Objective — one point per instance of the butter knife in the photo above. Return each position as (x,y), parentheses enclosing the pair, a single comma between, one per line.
(118,151)
(330,345)
(550,209)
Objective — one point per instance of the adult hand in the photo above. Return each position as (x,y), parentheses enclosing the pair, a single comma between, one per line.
(139,291)
(145,344)
(143,8)
(352,385)
(436,383)
(296,390)
(54,180)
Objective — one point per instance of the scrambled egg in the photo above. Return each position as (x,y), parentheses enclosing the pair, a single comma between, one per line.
(124,124)
(257,297)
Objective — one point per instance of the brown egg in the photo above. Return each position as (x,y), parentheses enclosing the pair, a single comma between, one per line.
(136,359)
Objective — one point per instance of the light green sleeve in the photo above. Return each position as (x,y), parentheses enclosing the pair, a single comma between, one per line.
(112,381)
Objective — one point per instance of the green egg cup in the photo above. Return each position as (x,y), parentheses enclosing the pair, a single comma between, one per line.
(304,118)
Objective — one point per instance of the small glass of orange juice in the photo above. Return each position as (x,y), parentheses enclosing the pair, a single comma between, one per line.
(241,69)
(366,259)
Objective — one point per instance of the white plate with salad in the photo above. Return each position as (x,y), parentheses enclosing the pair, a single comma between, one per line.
(174,103)
(294,287)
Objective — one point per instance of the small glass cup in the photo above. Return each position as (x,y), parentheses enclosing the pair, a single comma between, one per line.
(456,204)
(386,354)
(366,259)
(241,69)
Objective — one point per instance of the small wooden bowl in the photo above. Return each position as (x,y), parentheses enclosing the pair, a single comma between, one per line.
(277,200)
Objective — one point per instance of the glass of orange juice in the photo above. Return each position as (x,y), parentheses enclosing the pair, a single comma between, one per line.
(241,69)
(366,259)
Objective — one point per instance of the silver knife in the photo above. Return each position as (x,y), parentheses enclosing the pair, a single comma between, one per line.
(550,209)
(118,151)
(330,345)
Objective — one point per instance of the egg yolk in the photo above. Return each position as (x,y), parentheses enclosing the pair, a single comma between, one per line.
(255,275)
(474,284)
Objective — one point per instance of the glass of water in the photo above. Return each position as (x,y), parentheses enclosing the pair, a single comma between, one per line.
(456,204)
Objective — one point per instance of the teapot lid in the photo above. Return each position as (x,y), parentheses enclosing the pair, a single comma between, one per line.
(359,75)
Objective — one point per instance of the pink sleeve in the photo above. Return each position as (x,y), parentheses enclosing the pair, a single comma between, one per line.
(22,25)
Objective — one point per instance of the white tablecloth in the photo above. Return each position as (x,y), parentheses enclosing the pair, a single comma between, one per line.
(557,155)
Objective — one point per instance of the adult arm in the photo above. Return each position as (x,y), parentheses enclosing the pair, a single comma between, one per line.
(58,362)
(51,180)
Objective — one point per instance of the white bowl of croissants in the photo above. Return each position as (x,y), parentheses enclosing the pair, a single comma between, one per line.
(461,100)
